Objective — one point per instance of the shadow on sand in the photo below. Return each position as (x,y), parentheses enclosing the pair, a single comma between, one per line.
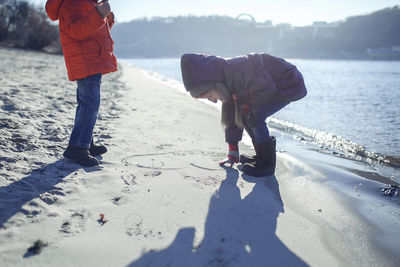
(238,232)
(42,180)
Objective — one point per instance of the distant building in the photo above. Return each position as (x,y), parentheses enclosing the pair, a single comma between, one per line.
(323,29)
(285,29)
(320,23)
(284,25)
(268,23)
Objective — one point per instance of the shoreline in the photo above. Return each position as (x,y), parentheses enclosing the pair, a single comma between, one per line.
(386,166)
(160,187)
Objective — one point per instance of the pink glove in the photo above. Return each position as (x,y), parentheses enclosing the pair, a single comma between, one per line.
(233,156)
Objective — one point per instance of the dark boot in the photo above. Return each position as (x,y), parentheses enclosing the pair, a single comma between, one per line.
(265,160)
(81,156)
(248,158)
(97,150)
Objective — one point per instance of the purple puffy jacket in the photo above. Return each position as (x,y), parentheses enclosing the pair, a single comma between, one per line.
(255,79)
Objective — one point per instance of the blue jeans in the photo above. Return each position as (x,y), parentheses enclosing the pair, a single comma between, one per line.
(88,98)
(260,133)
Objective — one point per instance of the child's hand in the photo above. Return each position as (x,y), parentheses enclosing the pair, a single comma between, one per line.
(233,156)
(104,8)
(111,18)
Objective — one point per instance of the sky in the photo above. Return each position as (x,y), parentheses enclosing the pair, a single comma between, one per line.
(295,12)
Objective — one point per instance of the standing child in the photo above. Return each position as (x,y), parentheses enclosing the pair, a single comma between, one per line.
(88,51)
(251,88)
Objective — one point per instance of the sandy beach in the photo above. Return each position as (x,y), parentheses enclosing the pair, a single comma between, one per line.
(165,199)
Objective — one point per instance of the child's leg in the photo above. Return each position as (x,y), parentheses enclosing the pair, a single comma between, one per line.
(260,131)
(265,160)
(247,128)
(88,97)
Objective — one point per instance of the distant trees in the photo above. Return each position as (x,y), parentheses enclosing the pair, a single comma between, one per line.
(378,29)
(226,36)
(176,35)
(25,26)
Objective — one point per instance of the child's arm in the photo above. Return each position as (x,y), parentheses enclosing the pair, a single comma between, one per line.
(81,24)
(233,135)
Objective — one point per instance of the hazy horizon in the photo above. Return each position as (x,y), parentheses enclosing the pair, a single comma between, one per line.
(299,13)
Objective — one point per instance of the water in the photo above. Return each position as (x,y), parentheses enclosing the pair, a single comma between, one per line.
(351,106)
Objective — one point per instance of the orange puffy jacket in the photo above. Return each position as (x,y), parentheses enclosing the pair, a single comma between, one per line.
(85,37)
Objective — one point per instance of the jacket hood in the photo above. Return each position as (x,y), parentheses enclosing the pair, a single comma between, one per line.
(53,9)
(200,69)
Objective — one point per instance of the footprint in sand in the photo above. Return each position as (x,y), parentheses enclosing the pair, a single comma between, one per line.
(51,197)
(75,224)
(8,124)
(105,136)
(130,184)
(163,146)
(152,173)
(22,144)
(129,179)
(135,227)
(31,210)
(119,201)
(8,106)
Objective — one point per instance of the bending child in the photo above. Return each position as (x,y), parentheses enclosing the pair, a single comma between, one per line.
(88,51)
(251,88)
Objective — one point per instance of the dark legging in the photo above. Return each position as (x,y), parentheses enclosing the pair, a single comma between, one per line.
(260,133)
